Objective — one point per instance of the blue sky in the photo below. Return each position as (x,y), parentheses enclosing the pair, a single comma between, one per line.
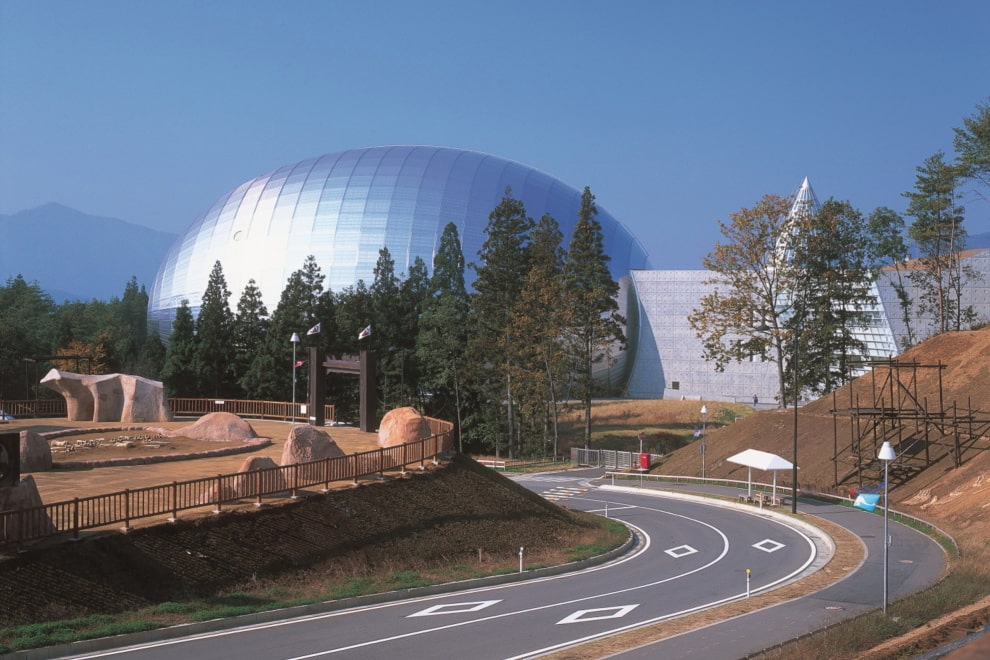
(675,114)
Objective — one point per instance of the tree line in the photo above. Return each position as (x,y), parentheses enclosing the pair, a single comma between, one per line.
(501,361)
(792,284)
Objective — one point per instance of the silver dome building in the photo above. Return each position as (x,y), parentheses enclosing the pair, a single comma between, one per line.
(344,207)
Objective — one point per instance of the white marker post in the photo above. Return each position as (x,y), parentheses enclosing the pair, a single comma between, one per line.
(520,560)
(747,583)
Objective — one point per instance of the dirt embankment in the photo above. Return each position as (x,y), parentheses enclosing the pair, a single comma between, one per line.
(955,498)
(447,514)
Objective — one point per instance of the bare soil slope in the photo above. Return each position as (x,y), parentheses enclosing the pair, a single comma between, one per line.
(448,514)
(954,498)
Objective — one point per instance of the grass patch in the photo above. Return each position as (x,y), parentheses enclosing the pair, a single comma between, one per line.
(62,632)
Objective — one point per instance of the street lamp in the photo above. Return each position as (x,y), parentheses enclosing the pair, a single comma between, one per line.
(295,342)
(886,455)
(704,414)
(797,395)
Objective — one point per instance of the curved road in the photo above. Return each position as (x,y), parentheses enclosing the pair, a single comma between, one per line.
(691,555)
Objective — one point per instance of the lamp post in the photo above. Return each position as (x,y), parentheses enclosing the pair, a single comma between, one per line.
(704,414)
(886,455)
(797,395)
(295,342)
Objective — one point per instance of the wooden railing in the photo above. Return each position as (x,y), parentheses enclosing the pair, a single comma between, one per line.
(21,408)
(255,409)
(123,507)
(181,406)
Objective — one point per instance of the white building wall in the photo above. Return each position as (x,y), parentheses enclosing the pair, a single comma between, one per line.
(667,362)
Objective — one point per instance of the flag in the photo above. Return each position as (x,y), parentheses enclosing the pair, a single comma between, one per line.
(299,363)
(315,330)
(365,333)
(867,501)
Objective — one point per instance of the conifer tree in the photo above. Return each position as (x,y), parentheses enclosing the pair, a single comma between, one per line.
(249,335)
(833,260)
(972,144)
(179,371)
(886,229)
(443,331)
(504,262)
(938,232)
(540,325)
(214,331)
(591,292)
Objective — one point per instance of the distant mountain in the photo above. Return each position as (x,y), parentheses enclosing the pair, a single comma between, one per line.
(75,256)
(978,241)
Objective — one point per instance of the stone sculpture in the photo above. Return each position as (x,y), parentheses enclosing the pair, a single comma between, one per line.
(110,398)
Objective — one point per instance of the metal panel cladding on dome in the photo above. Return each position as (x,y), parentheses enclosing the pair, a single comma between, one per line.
(342,208)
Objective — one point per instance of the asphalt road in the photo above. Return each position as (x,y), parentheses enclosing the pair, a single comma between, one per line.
(691,556)
(915,562)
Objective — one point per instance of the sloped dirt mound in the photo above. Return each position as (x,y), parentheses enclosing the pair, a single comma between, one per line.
(447,513)
(956,498)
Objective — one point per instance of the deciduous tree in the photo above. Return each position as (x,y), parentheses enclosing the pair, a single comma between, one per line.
(752,284)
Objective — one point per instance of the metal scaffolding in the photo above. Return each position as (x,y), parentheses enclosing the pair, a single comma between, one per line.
(922,432)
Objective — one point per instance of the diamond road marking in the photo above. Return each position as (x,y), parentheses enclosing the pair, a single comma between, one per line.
(455,608)
(557,493)
(583,615)
(681,551)
(768,545)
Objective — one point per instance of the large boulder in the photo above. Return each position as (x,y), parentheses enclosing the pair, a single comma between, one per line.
(306,444)
(248,480)
(110,397)
(402,425)
(24,495)
(215,427)
(36,453)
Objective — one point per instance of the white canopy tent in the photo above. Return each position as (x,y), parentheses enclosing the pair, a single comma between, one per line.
(761,460)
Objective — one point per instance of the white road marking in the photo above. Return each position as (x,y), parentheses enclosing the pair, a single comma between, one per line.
(583,615)
(768,545)
(681,551)
(455,608)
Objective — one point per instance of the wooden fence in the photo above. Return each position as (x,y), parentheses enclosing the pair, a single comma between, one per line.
(123,507)
(181,407)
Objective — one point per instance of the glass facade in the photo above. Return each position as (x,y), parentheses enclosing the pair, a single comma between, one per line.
(342,208)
